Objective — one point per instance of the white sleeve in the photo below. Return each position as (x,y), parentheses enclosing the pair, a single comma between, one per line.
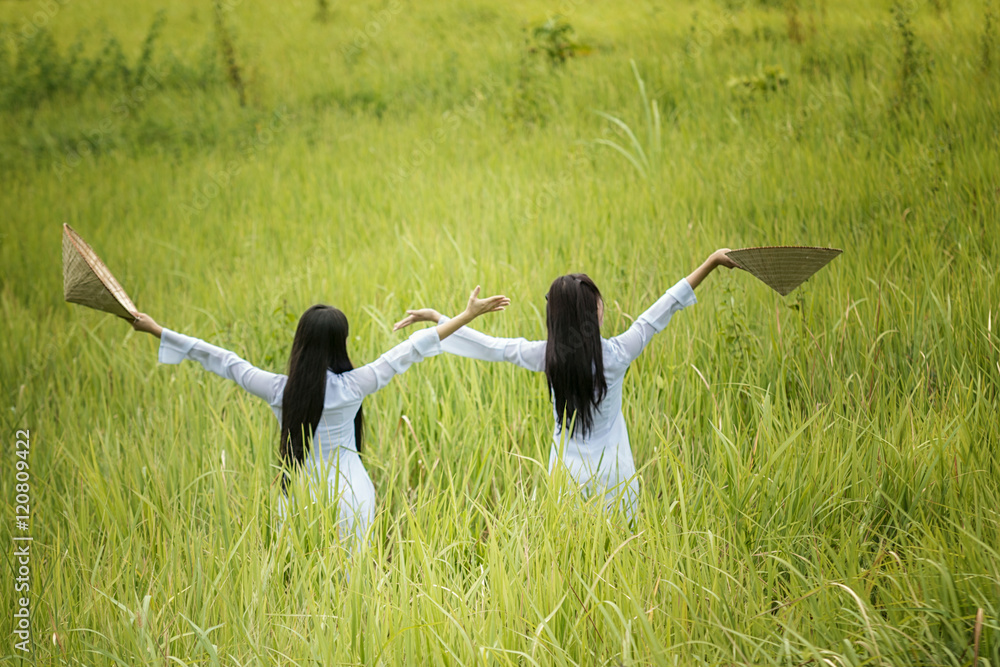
(630,344)
(473,344)
(176,347)
(371,377)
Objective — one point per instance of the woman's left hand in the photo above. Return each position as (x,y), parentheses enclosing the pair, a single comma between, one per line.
(490,304)
(722,259)
(414,316)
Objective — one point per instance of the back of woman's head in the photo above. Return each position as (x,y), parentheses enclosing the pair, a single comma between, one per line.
(320,344)
(574,360)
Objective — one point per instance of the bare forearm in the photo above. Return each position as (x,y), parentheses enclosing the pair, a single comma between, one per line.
(474,309)
(695,277)
(451,326)
(715,260)
(147,324)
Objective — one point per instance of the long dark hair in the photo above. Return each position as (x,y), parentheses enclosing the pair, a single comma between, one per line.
(574,361)
(320,344)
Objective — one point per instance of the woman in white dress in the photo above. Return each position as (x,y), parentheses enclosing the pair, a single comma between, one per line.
(318,403)
(585,374)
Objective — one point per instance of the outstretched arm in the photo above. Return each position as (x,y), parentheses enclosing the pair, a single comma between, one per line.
(176,347)
(715,260)
(474,309)
(467,342)
(425,343)
(630,344)
(147,324)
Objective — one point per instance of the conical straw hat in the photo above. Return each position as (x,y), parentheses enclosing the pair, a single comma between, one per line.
(88,282)
(783,268)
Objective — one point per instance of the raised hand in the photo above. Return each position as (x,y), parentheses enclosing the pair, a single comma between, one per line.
(715,260)
(490,304)
(473,309)
(722,259)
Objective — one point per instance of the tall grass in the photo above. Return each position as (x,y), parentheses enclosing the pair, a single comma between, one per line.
(819,473)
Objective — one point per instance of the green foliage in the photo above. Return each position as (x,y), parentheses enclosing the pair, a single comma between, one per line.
(34,69)
(912,61)
(530,100)
(796,33)
(322,11)
(941,6)
(736,342)
(819,473)
(227,47)
(556,39)
(989,36)
(145,62)
(644,160)
(769,80)
(747,91)
(547,48)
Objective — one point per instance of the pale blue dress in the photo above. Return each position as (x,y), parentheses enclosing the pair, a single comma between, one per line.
(334,454)
(602,461)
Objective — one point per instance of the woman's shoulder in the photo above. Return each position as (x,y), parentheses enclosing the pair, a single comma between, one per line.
(341,388)
(614,363)
(277,394)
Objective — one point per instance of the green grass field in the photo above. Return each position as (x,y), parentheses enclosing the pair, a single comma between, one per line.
(820,473)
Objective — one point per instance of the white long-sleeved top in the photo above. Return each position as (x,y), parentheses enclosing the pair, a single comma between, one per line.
(602,461)
(334,452)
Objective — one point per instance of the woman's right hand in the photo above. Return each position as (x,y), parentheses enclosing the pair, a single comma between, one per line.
(147,324)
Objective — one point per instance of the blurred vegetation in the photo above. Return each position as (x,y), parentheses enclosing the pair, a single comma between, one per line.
(819,473)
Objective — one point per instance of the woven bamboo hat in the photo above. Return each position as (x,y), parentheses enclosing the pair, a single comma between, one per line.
(87,281)
(783,268)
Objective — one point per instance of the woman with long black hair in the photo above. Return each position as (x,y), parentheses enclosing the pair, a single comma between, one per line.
(318,403)
(584,372)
